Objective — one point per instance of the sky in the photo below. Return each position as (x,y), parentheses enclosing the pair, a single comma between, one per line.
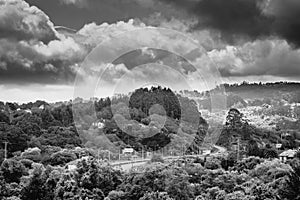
(56,50)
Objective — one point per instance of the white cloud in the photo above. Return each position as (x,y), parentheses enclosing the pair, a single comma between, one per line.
(95,34)
(65,49)
(262,57)
(20,21)
(29,43)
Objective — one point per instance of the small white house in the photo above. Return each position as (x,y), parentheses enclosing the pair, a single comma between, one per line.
(204,151)
(149,154)
(42,107)
(28,111)
(278,146)
(128,150)
(72,167)
(98,125)
(288,154)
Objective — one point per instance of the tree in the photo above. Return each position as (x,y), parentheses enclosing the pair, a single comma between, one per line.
(236,128)
(33,154)
(61,157)
(212,163)
(253,149)
(116,195)
(4,117)
(269,152)
(63,114)
(149,179)
(60,136)
(92,175)
(177,184)
(293,182)
(156,196)
(36,187)
(144,99)
(16,138)
(157,158)
(12,170)
(200,135)
(48,120)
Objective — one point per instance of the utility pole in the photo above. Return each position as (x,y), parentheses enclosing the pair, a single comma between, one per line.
(5,150)
(238,149)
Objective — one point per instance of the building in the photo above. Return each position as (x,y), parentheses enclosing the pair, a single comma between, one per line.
(98,124)
(204,151)
(128,150)
(288,154)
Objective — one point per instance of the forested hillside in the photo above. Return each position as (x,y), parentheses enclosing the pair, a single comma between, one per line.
(54,153)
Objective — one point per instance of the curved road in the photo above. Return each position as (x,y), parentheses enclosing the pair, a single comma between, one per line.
(127,165)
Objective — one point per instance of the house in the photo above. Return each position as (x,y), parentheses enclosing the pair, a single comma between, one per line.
(71,167)
(98,124)
(28,111)
(288,154)
(204,151)
(128,150)
(148,154)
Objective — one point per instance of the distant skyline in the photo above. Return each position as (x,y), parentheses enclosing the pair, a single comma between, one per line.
(43,43)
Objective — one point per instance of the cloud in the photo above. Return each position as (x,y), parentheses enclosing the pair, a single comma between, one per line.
(22,22)
(78,3)
(245,19)
(286,16)
(31,50)
(95,34)
(89,3)
(259,58)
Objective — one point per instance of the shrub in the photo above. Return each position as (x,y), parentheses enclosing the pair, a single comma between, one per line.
(157,158)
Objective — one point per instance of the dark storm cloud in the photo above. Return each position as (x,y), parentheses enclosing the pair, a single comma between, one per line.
(76,13)
(55,72)
(247,18)
(286,15)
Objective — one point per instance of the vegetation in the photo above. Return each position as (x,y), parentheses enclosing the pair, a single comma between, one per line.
(251,178)
(49,158)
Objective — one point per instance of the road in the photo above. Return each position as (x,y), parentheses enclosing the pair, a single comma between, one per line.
(220,149)
(127,165)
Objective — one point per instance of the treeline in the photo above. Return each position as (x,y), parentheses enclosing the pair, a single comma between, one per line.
(219,178)
(277,85)
(143,99)
(142,114)
(36,127)
(39,124)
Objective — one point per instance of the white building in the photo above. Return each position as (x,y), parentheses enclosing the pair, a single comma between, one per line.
(98,125)
(128,150)
(288,154)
